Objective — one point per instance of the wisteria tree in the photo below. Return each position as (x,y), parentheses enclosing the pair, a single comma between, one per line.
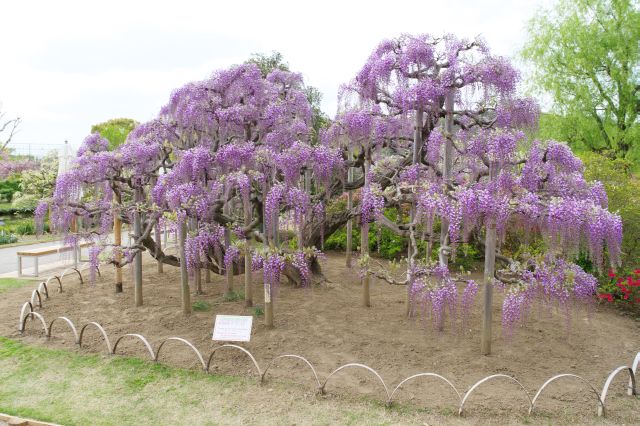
(226,159)
(430,126)
(440,130)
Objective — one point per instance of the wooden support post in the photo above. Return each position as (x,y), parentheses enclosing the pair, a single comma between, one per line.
(137,265)
(117,241)
(229,271)
(417,148)
(165,235)
(364,249)
(197,280)
(448,166)
(300,238)
(489,271)
(184,275)
(268,306)
(197,275)
(349,254)
(248,284)
(364,237)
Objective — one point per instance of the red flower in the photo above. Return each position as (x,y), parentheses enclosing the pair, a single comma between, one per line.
(636,271)
(612,274)
(607,296)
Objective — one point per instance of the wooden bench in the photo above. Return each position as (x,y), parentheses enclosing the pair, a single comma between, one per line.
(44,251)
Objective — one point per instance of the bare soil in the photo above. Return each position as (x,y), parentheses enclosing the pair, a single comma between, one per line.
(327,325)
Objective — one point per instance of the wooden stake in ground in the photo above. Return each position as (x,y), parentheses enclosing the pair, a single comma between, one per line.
(248,285)
(184,275)
(489,271)
(417,148)
(158,237)
(446,172)
(197,275)
(350,221)
(364,235)
(229,271)
(268,306)
(117,241)
(137,266)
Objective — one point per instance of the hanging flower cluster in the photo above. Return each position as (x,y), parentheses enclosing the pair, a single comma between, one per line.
(551,283)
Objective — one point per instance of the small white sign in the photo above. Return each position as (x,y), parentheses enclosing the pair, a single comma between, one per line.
(233,328)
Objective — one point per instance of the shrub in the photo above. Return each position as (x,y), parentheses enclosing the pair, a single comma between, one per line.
(8,187)
(21,227)
(13,211)
(388,245)
(7,238)
(25,228)
(623,290)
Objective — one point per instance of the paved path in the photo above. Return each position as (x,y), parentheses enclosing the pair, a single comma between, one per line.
(9,258)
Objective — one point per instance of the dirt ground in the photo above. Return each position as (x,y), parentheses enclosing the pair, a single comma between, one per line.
(327,325)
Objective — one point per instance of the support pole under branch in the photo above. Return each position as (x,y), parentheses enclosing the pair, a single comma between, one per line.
(489,271)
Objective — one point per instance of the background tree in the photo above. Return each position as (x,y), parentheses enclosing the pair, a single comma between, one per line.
(585,56)
(115,130)
(8,129)
(37,184)
(10,165)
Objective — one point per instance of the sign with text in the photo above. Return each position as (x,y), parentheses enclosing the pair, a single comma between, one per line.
(232,328)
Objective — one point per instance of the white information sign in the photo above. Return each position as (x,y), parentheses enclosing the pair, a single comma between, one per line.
(233,328)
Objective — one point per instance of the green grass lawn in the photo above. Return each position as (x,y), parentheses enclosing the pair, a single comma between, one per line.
(9,283)
(69,388)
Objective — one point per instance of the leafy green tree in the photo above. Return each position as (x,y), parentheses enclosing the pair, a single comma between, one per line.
(586,57)
(37,184)
(115,130)
(268,63)
(8,187)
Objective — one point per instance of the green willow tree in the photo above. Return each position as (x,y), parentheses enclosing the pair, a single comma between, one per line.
(586,57)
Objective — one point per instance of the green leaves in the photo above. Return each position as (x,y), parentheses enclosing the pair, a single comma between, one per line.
(586,55)
(115,130)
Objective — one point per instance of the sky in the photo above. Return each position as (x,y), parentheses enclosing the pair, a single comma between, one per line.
(66,65)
